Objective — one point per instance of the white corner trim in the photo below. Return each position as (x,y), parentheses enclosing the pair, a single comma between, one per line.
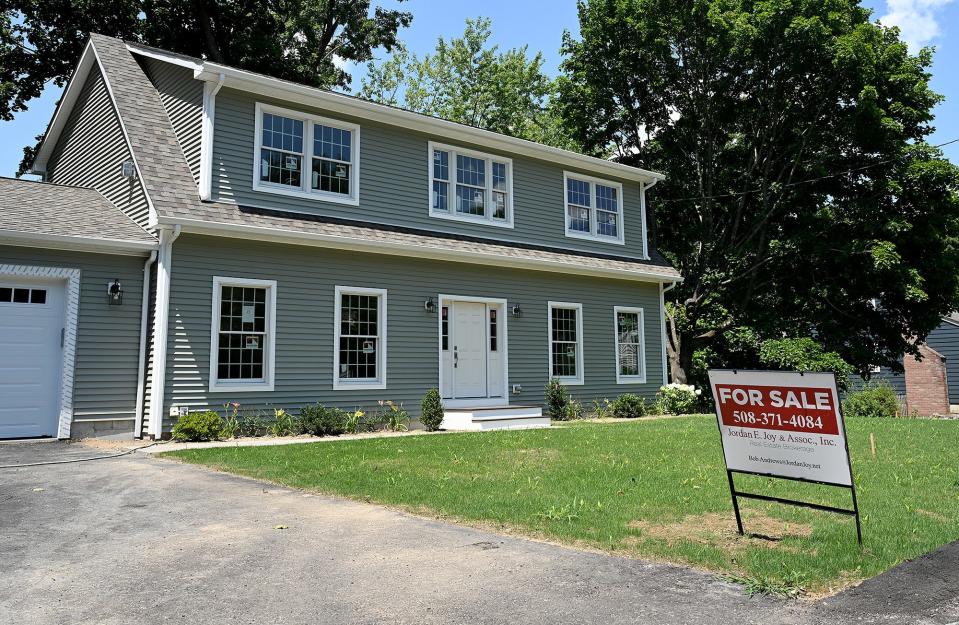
(210,89)
(241,386)
(630,379)
(451,214)
(70,318)
(305,191)
(579,378)
(620,238)
(142,352)
(642,209)
(383,321)
(161,327)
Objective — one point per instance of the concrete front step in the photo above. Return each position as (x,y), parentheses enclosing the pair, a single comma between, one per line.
(494,418)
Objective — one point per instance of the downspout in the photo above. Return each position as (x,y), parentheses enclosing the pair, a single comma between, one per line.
(662,319)
(647,240)
(210,90)
(141,361)
(161,319)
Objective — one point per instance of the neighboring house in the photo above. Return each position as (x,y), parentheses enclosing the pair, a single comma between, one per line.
(313,247)
(929,386)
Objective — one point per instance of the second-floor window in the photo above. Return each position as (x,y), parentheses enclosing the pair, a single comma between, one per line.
(594,208)
(306,155)
(470,186)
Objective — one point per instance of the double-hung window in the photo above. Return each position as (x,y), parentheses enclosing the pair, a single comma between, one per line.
(630,352)
(470,186)
(359,345)
(305,155)
(594,208)
(242,336)
(566,342)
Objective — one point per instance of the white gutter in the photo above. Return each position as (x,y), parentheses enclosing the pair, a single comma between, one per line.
(141,360)
(662,319)
(161,319)
(643,187)
(210,89)
(72,242)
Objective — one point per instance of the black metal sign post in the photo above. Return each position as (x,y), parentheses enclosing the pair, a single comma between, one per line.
(736,494)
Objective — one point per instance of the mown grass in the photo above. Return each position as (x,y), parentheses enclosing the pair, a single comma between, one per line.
(651,488)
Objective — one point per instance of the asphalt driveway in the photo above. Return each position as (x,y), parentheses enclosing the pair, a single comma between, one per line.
(141,540)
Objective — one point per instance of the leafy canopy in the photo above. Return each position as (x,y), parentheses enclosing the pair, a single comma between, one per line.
(467,80)
(801,196)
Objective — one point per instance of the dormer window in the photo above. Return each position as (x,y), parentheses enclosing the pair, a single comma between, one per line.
(594,208)
(470,186)
(305,155)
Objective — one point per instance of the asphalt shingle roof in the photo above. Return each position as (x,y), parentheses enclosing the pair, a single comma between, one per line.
(42,208)
(174,194)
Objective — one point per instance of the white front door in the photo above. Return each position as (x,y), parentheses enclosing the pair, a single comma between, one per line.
(470,347)
(31,319)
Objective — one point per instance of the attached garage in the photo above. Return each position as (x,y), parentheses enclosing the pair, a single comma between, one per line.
(70,355)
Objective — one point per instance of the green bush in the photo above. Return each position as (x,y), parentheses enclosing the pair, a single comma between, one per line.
(557,400)
(628,406)
(874,400)
(284,424)
(804,354)
(394,416)
(678,399)
(251,425)
(319,420)
(198,426)
(431,410)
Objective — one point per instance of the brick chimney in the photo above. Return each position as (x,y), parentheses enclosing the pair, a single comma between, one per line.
(926,390)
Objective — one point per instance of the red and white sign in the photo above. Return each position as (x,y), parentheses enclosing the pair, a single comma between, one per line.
(782,423)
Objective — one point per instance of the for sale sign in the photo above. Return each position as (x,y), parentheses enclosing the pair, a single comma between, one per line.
(782,424)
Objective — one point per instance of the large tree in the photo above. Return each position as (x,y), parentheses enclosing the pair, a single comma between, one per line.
(801,198)
(299,40)
(467,80)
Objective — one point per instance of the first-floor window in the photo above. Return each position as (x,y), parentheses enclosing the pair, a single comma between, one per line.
(630,356)
(566,342)
(243,328)
(360,342)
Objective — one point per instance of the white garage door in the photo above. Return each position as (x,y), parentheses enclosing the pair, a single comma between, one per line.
(31,319)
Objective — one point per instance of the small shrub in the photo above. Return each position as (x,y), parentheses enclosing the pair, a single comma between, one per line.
(198,426)
(395,417)
(431,410)
(231,423)
(573,411)
(251,426)
(283,423)
(557,399)
(874,400)
(353,421)
(372,421)
(628,406)
(677,399)
(602,409)
(319,420)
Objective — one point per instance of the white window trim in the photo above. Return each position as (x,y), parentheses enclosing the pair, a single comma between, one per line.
(305,191)
(630,379)
(380,381)
(487,219)
(269,361)
(620,239)
(578,379)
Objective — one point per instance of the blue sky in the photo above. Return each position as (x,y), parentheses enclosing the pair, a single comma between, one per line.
(540,24)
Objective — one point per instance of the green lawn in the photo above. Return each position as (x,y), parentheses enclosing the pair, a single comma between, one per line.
(651,488)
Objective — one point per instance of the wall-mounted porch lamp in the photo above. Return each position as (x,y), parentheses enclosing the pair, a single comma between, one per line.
(429,305)
(516,311)
(115,293)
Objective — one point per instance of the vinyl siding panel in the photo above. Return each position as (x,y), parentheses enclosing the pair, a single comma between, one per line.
(945,340)
(92,148)
(306,278)
(394,183)
(108,337)
(182,97)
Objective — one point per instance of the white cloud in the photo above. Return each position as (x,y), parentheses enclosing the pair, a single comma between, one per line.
(344,64)
(916,19)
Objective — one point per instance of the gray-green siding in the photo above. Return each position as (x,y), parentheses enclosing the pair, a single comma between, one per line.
(108,337)
(306,277)
(92,148)
(945,340)
(394,182)
(182,97)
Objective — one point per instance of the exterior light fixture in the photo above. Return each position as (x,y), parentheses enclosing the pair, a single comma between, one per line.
(516,311)
(429,305)
(128,170)
(115,293)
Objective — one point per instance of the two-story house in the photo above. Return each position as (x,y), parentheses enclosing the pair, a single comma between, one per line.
(206,235)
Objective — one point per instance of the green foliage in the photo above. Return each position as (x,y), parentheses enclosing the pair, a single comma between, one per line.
(628,406)
(353,421)
(557,400)
(394,417)
(874,400)
(431,410)
(574,410)
(198,426)
(468,81)
(319,420)
(283,423)
(601,409)
(252,425)
(677,399)
(757,112)
(804,354)
(299,40)
(231,423)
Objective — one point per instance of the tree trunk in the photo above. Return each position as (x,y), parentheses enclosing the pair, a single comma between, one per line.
(677,344)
